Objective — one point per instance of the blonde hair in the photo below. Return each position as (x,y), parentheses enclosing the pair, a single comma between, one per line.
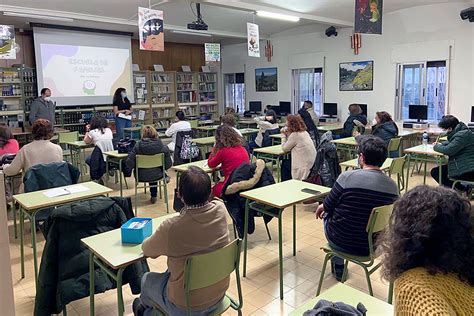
(149,131)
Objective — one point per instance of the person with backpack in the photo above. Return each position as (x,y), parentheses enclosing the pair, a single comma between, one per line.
(180,125)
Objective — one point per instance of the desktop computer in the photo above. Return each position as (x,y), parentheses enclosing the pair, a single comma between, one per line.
(418,113)
(255,107)
(364,108)
(285,108)
(329,113)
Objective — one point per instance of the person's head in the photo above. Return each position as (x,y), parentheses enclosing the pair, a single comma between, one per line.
(308,104)
(372,151)
(226,136)
(5,135)
(229,120)
(194,186)
(149,131)
(45,93)
(180,116)
(120,94)
(295,124)
(271,116)
(42,129)
(355,109)
(383,117)
(448,123)
(430,227)
(99,122)
(229,110)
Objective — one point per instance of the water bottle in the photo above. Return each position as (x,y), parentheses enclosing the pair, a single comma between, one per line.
(425,138)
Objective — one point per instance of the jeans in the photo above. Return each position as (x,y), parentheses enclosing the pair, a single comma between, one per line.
(252,146)
(286,169)
(154,292)
(153,189)
(120,124)
(445,181)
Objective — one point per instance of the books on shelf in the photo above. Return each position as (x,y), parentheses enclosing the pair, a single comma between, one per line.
(163,113)
(163,124)
(207,77)
(161,78)
(181,77)
(187,96)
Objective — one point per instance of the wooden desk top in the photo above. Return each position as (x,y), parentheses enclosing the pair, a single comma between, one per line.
(207,128)
(79,144)
(109,248)
(333,127)
(277,136)
(115,154)
(132,129)
(36,200)
(345,141)
(353,164)
(247,131)
(205,140)
(423,150)
(271,150)
(272,194)
(200,164)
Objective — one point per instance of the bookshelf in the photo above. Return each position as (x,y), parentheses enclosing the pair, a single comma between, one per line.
(187,92)
(141,91)
(163,97)
(208,92)
(17,85)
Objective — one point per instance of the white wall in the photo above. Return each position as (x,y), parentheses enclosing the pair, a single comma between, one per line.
(430,30)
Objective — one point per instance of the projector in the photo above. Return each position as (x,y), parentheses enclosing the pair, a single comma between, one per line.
(468,14)
(199,24)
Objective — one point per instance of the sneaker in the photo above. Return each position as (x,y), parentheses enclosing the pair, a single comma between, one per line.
(153,200)
(137,307)
(337,271)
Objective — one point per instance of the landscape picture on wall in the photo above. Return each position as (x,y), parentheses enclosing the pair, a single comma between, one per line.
(356,76)
(266,79)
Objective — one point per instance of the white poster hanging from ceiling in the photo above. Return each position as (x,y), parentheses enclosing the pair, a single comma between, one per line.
(212,52)
(150,29)
(7,42)
(253,40)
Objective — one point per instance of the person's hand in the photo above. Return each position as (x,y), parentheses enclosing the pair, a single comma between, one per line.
(320,212)
(127,112)
(88,128)
(356,134)
(268,118)
(213,151)
(436,143)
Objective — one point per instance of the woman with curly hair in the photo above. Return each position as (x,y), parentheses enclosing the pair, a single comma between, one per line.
(429,250)
(303,153)
(228,152)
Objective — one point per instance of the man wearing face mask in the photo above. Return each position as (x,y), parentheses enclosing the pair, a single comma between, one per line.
(460,149)
(42,107)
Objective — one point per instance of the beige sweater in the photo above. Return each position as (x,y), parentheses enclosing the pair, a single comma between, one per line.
(193,232)
(36,152)
(303,154)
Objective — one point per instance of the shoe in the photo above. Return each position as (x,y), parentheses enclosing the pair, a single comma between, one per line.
(153,200)
(337,271)
(167,179)
(111,173)
(137,307)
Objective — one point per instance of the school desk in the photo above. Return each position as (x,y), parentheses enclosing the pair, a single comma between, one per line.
(200,164)
(273,154)
(115,156)
(424,154)
(77,150)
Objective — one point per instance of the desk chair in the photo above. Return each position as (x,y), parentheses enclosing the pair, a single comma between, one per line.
(150,162)
(379,219)
(194,124)
(395,145)
(207,269)
(64,138)
(396,168)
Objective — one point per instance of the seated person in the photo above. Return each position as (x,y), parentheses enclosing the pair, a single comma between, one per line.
(429,253)
(40,150)
(99,134)
(460,149)
(303,153)
(384,127)
(201,227)
(229,110)
(8,144)
(228,152)
(308,106)
(264,123)
(179,125)
(347,208)
(355,114)
(229,120)
(150,144)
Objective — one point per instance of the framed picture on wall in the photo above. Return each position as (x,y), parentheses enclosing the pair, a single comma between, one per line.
(356,76)
(266,79)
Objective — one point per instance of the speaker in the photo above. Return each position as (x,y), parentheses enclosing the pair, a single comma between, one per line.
(468,14)
(330,31)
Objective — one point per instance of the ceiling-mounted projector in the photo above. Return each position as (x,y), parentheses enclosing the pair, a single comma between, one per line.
(199,24)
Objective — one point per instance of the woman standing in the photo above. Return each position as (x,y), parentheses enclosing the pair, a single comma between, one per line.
(121,105)
(303,153)
(228,152)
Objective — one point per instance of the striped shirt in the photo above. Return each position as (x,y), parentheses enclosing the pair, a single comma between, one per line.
(349,205)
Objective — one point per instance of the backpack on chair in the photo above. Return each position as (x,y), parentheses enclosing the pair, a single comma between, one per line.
(188,149)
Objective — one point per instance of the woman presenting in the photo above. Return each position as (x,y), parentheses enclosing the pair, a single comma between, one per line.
(121,105)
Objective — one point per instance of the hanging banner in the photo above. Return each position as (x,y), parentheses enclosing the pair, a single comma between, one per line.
(212,52)
(150,29)
(7,42)
(368,16)
(253,40)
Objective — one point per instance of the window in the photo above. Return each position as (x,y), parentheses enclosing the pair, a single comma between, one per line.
(422,83)
(308,85)
(234,91)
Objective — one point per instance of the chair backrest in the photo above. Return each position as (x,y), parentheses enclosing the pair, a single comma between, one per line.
(267,141)
(394,144)
(194,123)
(378,221)
(397,165)
(51,175)
(68,137)
(150,161)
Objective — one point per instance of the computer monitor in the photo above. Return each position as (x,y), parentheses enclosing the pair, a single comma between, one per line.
(364,108)
(255,107)
(472,114)
(330,109)
(276,108)
(285,108)
(418,112)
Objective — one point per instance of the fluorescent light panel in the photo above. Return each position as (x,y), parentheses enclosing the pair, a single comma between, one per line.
(278,16)
(38,16)
(190,32)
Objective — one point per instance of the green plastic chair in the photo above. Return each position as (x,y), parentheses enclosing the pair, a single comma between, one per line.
(203,270)
(379,219)
(396,168)
(64,138)
(395,145)
(194,124)
(149,162)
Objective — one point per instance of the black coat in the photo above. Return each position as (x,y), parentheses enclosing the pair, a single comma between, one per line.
(50,175)
(310,126)
(326,165)
(349,124)
(244,178)
(97,164)
(150,147)
(64,269)
(385,131)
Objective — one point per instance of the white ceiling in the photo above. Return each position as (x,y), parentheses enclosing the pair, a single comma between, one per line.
(226,18)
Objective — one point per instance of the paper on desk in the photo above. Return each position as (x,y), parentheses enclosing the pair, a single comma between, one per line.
(65,191)
(77,188)
(127,117)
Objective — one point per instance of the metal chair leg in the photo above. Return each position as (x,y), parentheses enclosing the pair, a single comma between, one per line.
(268,231)
(323,271)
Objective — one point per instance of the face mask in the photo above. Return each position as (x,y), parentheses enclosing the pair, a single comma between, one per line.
(47,99)
(124,94)
(374,122)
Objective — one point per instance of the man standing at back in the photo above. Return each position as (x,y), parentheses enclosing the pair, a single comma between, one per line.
(347,208)
(43,108)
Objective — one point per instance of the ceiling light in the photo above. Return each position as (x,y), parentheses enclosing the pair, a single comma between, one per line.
(38,16)
(278,16)
(191,33)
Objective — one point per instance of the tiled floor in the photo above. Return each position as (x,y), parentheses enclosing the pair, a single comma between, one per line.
(260,287)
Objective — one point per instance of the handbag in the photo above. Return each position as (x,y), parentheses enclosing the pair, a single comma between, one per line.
(178,205)
(124,146)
